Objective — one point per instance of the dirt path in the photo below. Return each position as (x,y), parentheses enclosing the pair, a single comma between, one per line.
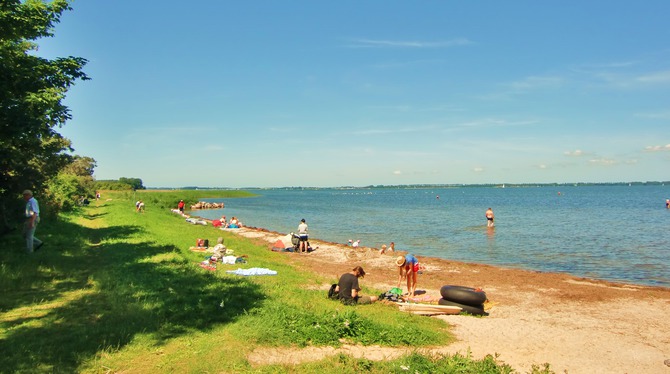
(576,325)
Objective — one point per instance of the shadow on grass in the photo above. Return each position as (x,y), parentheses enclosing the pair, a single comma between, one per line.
(61,307)
(94,216)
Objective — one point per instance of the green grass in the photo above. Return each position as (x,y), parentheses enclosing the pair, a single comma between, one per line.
(114,290)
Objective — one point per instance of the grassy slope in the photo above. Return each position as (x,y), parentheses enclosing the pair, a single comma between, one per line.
(117,290)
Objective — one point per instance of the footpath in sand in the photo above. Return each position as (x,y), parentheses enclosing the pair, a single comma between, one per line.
(576,325)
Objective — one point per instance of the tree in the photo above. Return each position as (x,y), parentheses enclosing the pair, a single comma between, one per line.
(31,93)
(113,185)
(74,182)
(136,183)
(81,166)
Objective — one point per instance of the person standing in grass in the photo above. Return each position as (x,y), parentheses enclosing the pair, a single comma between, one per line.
(32,219)
(348,288)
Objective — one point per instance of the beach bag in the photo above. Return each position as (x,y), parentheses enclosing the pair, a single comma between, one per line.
(205,243)
(391,295)
(332,294)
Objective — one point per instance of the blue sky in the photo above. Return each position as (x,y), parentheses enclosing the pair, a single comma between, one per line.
(354,93)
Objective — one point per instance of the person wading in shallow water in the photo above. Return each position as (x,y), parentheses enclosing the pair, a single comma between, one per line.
(489,217)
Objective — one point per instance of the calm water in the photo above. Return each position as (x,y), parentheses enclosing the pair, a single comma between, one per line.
(617,233)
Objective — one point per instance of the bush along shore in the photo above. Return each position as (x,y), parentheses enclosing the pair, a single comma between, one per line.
(118,290)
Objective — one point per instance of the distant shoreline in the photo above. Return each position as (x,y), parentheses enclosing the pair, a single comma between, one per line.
(421,186)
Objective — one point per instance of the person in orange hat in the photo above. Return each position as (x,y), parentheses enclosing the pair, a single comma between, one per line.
(408,267)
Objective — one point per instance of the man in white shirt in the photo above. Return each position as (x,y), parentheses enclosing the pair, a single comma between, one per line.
(32,219)
(304,237)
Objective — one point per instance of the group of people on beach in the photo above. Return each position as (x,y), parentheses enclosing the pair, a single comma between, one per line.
(348,288)
(408,266)
(234,223)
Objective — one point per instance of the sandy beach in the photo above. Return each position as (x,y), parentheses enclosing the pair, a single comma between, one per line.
(574,324)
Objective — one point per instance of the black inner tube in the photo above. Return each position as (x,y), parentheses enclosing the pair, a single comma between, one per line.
(463,295)
(474,310)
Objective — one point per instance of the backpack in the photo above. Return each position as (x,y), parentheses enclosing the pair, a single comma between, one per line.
(332,294)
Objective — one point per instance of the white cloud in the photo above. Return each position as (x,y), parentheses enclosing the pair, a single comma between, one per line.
(657,148)
(478,169)
(575,153)
(494,122)
(369,43)
(397,172)
(603,161)
(658,77)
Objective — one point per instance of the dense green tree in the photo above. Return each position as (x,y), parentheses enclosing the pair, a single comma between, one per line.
(32,90)
(114,185)
(72,184)
(135,183)
(81,166)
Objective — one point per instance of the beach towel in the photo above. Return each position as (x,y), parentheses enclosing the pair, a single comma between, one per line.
(252,271)
(230,260)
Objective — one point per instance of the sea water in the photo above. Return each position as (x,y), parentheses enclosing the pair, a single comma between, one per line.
(616,233)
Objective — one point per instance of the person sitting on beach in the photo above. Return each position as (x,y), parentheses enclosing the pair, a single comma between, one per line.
(408,267)
(234,223)
(224,223)
(384,249)
(348,288)
(356,243)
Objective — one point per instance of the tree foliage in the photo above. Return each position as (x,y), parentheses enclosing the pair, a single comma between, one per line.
(112,185)
(135,183)
(32,90)
(73,183)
